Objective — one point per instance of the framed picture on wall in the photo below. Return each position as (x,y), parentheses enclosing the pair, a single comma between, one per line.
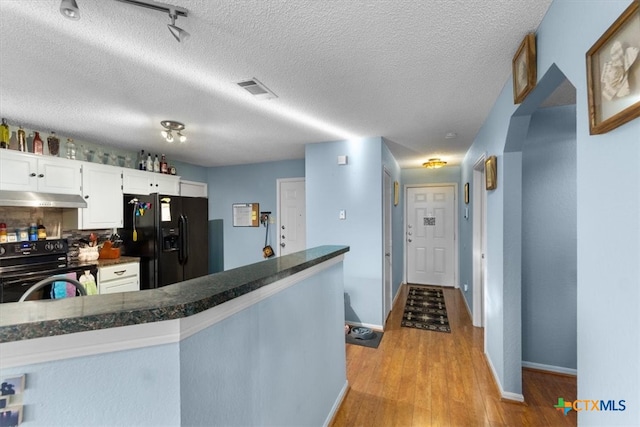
(466,193)
(613,74)
(491,172)
(524,68)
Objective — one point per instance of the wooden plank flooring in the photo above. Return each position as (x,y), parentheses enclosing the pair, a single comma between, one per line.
(425,378)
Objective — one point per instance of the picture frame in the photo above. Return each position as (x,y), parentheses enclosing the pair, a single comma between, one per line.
(613,74)
(466,193)
(491,172)
(524,68)
(396,193)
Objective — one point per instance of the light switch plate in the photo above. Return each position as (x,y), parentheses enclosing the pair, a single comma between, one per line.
(342,214)
(342,160)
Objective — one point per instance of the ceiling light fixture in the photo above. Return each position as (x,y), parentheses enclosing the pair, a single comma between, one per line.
(173,11)
(177,32)
(171,126)
(69,9)
(434,163)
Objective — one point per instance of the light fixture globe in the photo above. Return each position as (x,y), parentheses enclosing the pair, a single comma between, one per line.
(434,163)
(177,32)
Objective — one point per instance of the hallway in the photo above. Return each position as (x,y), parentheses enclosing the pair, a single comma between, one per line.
(424,378)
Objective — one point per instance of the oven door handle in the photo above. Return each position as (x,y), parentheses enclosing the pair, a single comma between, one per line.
(49,280)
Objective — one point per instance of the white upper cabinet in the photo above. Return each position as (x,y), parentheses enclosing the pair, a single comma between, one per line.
(193,189)
(102,190)
(143,182)
(44,174)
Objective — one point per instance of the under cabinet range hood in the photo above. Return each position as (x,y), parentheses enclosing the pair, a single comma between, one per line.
(33,199)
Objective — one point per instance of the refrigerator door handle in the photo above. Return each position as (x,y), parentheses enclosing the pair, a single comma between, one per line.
(183,252)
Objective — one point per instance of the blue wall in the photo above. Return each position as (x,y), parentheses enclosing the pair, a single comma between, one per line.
(190,172)
(608,230)
(549,252)
(247,184)
(356,188)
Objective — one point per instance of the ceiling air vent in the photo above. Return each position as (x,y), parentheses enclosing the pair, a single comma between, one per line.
(257,89)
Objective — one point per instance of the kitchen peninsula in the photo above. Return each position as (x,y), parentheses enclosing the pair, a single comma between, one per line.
(260,344)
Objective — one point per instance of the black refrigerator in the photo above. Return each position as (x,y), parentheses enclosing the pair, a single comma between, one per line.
(169,234)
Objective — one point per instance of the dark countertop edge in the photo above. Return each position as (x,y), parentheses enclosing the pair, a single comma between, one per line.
(166,303)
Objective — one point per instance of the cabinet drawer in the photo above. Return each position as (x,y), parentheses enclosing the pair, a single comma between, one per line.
(129,284)
(118,271)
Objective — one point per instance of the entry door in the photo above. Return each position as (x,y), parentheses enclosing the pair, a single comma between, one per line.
(292,214)
(430,235)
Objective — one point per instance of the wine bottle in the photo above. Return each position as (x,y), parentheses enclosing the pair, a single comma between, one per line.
(141,162)
(156,164)
(163,165)
(4,134)
(149,165)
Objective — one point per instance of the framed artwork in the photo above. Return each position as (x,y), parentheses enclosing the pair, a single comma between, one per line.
(245,214)
(491,172)
(466,193)
(396,193)
(524,68)
(613,74)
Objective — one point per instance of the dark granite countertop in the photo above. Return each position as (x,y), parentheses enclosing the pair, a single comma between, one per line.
(35,319)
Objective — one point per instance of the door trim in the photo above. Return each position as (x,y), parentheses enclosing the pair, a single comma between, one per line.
(278,216)
(387,240)
(456,248)
(479,229)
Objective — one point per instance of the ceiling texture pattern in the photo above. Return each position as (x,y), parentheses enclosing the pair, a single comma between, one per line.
(410,71)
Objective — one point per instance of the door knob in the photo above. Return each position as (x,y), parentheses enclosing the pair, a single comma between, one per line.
(409,240)
(283,227)
(409,233)
(282,244)
(282,236)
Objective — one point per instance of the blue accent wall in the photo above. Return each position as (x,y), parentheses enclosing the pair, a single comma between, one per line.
(549,252)
(607,232)
(356,188)
(254,183)
(189,172)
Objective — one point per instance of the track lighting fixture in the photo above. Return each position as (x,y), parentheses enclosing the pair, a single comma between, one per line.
(171,126)
(177,32)
(69,9)
(173,11)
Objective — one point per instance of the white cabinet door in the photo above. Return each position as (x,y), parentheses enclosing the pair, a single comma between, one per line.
(18,172)
(193,189)
(44,174)
(61,176)
(137,182)
(167,184)
(102,190)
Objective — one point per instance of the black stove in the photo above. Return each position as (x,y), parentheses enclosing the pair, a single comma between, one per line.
(22,264)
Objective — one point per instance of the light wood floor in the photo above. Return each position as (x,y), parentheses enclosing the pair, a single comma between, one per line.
(425,378)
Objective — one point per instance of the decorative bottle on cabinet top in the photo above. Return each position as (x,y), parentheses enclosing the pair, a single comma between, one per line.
(4,134)
(38,145)
(22,140)
(53,142)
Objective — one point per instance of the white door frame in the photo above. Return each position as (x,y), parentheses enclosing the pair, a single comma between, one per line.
(387,241)
(456,250)
(278,216)
(479,227)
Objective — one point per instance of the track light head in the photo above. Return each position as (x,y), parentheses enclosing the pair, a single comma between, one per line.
(178,33)
(69,9)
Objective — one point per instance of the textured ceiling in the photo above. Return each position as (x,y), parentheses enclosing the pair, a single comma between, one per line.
(409,71)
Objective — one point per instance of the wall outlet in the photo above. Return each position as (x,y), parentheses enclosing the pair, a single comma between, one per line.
(342,214)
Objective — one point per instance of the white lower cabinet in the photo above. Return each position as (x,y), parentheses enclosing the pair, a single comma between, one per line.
(119,278)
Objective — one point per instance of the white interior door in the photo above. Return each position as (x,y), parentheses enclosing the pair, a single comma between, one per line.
(292,216)
(430,235)
(388,200)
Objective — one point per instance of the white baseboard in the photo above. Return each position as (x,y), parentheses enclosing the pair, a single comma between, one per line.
(466,304)
(550,368)
(518,397)
(337,404)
